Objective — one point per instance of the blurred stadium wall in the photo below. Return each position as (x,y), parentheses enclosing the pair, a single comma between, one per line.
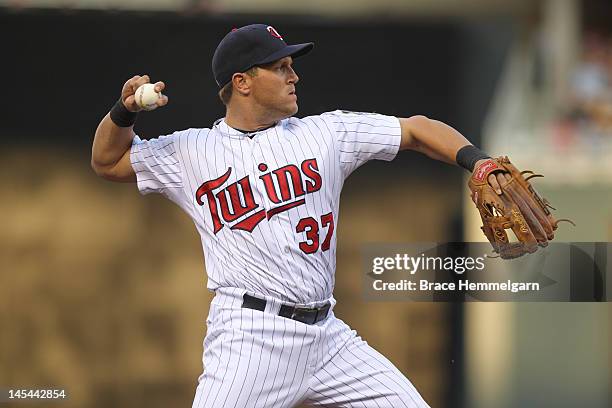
(337,8)
(552,112)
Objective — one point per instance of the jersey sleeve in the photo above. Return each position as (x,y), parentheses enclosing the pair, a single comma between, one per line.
(156,164)
(361,137)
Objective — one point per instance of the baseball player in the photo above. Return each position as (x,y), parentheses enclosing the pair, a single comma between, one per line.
(263,190)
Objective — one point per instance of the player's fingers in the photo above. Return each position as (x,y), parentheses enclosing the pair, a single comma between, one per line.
(494,183)
(131,80)
(128,87)
(159,86)
(133,84)
(162,101)
(130,104)
(140,81)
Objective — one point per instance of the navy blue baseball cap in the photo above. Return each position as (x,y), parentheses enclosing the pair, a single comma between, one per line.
(248,46)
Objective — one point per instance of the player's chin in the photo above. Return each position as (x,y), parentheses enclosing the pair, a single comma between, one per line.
(292,105)
(290,109)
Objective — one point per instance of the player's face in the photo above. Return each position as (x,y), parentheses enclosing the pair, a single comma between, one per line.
(273,88)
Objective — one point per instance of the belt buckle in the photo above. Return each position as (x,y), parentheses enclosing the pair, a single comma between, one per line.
(301,314)
(323,311)
(308,315)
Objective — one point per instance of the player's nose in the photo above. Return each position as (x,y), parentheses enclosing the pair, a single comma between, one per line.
(293,76)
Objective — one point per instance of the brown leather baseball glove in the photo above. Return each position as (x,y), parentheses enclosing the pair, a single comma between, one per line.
(519,208)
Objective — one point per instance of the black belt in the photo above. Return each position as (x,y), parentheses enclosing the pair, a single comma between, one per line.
(301,314)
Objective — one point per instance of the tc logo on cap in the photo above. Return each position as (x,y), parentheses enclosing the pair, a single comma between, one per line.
(274,33)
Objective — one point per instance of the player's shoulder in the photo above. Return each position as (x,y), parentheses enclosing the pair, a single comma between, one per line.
(340,117)
(310,129)
(321,117)
(193,133)
(177,135)
(344,114)
(335,120)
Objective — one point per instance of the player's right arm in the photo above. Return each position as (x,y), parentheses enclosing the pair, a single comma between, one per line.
(110,153)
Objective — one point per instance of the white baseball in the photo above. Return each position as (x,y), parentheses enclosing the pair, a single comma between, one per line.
(146,96)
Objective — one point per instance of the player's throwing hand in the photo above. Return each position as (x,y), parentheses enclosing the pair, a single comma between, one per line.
(130,87)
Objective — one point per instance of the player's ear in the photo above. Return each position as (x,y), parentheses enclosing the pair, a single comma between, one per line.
(241,82)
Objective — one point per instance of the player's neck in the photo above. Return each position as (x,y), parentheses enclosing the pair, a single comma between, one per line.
(247,120)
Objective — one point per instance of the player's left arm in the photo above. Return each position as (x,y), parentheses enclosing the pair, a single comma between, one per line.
(438,141)
(432,138)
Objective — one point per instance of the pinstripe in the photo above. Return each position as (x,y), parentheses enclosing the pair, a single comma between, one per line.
(346,122)
(246,242)
(297,366)
(358,358)
(327,288)
(177,165)
(337,177)
(361,346)
(273,341)
(289,359)
(163,184)
(387,366)
(217,249)
(372,376)
(336,388)
(325,397)
(212,266)
(212,243)
(412,393)
(158,157)
(362,151)
(277,365)
(242,261)
(362,397)
(366,142)
(204,385)
(237,366)
(299,210)
(353,367)
(265,241)
(249,363)
(324,162)
(305,369)
(342,348)
(331,257)
(215,167)
(165,164)
(177,150)
(341,142)
(283,230)
(278,246)
(334,142)
(214,375)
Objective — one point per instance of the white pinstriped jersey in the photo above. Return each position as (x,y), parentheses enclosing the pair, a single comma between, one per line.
(266,207)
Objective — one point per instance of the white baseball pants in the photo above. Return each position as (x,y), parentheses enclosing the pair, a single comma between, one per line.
(259,359)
